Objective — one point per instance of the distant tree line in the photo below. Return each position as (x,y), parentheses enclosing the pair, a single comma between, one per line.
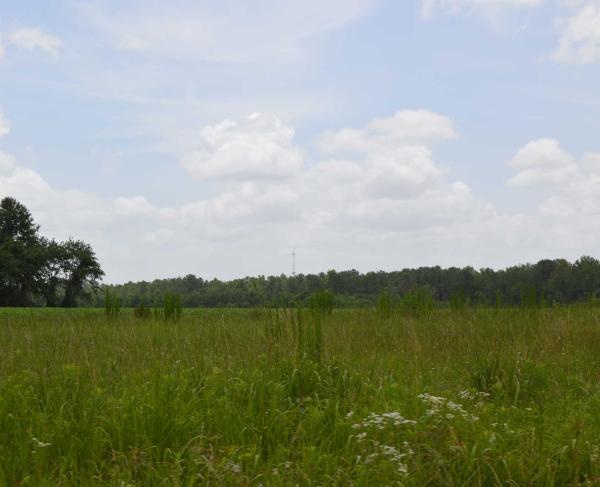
(37,271)
(547,282)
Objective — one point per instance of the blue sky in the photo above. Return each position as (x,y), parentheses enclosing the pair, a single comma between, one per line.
(213,137)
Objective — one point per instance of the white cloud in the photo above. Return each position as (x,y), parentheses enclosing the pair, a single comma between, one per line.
(4,125)
(227,31)
(580,38)
(388,206)
(162,236)
(32,38)
(429,7)
(260,147)
(405,127)
(134,206)
(266,199)
(566,220)
(7,162)
(543,161)
(400,173)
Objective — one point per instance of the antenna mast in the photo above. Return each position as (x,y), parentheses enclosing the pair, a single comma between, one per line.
(294,262)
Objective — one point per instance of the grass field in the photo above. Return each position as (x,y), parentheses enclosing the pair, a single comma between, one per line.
(250,397)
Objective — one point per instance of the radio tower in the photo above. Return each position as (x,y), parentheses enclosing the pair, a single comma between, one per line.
(294,262)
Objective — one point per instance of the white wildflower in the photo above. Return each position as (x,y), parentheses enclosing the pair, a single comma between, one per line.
(371,457)
(40,444)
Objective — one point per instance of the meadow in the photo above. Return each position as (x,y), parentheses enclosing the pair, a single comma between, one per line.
(297,397)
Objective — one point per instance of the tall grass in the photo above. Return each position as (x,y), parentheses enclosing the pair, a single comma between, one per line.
(284,397)
(112,304)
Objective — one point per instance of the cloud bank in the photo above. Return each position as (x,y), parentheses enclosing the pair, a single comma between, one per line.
(374,196)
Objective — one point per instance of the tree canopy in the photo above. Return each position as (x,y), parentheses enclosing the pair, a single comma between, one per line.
(35,270)
(547,281)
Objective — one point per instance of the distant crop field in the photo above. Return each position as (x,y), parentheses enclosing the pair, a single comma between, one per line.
(301,397)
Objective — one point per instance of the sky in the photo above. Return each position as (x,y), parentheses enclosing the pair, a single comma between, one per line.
(213,137)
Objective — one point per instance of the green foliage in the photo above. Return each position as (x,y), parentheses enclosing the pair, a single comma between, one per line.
(20,254)
(81,270)
(36,270)
(310,333)
(172,309)
(142,312)
(458,301)
(557,281)
(322,302)
(303,328)
(112,303)
(418,303)
(490,397)
(529,297)
(384,303)
(511,379)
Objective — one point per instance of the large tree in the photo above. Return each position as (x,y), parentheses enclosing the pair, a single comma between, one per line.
(35,267)
(21,254)
(81,269)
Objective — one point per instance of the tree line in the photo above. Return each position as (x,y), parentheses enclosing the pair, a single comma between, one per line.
(38,271)
(546,282)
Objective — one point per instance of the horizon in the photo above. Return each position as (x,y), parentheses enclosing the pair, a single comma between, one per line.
(210,138)
(339,271)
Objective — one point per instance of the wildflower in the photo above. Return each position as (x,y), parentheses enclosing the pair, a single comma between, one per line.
(371,457)
(466,395)
(40,444)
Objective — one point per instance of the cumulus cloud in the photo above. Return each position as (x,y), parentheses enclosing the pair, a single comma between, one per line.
(400,173)
(404,127)
(260,147)
(385,205)
(429,7)
(543,161)
(580,35)
(568,215)
(267,197)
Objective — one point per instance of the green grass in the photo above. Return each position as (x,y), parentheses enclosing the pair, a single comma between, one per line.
(240,397)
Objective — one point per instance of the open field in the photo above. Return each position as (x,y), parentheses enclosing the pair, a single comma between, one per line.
(249,397)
